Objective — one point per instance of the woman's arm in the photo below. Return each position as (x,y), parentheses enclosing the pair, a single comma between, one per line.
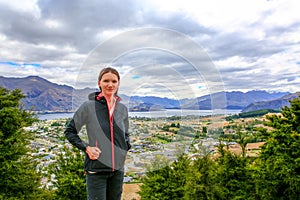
(71,134)
(74,126)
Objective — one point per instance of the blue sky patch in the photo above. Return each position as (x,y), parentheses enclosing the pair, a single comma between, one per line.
(15,64)
(136,77)
(32,64)
(10,63)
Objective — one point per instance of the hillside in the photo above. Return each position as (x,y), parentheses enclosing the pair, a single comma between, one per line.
(40,93)
(43,95)
(273,104)
(234,100)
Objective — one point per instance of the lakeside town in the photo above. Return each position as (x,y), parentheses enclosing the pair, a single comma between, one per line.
(150,138)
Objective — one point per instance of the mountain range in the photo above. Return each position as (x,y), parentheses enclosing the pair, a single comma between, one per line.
(43,95)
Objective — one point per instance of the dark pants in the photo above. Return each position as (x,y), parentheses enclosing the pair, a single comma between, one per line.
(105,185)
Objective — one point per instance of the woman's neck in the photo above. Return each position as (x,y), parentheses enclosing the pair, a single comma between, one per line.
(110,100)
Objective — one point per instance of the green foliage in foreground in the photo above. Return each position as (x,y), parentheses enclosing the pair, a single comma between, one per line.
(165,181)
(69,181)
(227,177)
(274,174)
(278,167)
(19,178)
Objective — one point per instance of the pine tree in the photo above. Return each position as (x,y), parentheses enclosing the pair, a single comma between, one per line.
(199,183)
(165,180)
(68,171)
(232,177)
(18,174)
(278,168)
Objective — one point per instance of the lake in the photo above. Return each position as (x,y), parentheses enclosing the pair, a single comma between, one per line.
(150,114)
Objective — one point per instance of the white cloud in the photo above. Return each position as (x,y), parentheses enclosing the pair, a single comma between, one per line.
(53,23)
(28,6)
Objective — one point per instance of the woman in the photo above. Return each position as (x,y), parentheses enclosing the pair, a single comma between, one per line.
(106,122)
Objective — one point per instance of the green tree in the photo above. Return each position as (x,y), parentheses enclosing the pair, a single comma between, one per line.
(242,140)
(204,129)
(19,177)
(68,170)
(165,180)
(199,181)
(232,178)
(278,166)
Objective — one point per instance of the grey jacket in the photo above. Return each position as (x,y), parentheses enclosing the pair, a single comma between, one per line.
(109,134)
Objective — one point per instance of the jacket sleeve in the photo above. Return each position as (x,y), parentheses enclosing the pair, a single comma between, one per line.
(73,128)
(127,138)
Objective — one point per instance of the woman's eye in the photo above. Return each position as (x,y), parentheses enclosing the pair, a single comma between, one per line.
(107,81)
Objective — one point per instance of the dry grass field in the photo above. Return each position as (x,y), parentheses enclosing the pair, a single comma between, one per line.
(130,192)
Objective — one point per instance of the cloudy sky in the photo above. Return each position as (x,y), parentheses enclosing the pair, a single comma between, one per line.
(167,48)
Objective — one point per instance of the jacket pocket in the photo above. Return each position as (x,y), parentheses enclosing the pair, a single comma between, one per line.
(97,166)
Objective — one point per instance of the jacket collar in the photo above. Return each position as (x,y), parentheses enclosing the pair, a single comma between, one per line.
(98,96)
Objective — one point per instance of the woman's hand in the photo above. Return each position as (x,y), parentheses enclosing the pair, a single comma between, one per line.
(93,152)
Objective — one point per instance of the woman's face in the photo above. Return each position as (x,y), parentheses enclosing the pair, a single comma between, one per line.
(109,84)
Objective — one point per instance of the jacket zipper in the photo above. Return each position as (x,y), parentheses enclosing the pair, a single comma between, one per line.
(112,142)
(111,117)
